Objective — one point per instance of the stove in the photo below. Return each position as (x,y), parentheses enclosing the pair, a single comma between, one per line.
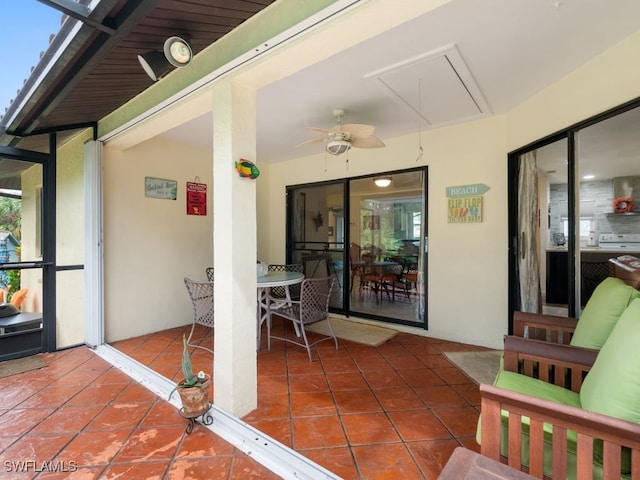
(619,241)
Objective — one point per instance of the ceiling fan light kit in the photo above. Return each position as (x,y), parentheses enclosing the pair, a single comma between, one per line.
(338,147)
(342,137)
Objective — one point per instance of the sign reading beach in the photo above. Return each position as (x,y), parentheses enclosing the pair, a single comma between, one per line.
(464,204)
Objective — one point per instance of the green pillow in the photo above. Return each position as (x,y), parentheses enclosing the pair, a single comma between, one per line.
(602,311)
(612,386)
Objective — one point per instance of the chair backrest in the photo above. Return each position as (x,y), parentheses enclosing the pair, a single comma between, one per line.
(316,266)
(201,294)
(18,297)
(294,290)
(355,251)
(314,298)
(210,273)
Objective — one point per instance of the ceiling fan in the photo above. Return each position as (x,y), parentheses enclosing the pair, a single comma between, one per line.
(342,137)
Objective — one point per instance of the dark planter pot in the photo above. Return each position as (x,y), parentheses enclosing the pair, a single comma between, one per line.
(195,400)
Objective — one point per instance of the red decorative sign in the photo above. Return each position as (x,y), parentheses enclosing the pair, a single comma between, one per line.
(196,198)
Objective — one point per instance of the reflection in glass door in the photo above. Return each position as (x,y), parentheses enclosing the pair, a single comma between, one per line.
(373,239)
(387,254)
(579,178)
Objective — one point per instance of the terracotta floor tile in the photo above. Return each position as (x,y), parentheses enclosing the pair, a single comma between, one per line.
(160,414)
(96,394)
(432,455)
(38,448)
(73,472)
(420,377)
(469,391)
(462,421)
(13,396)
(337,460)
(346,381)
(312,404)
(214,468)
(68,419)
(273,385)
(136,470)
(339,365)
(384,379)
(203,443)
(135,393)
(470,443)
(113,375)
(386,462)
(452,375)
(369,429)
(373,364)
(317,432)
(356,401)
(308,384)
(398,399)
(151,444)
(118,416)
(441,396)
(245,468)
(94,448)
(269,407)
(406,361)
(51,396)
(21,420)
(278,429)
(418,425)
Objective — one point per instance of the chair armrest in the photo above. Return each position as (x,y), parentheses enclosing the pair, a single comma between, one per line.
(614,433)
(562,365)
(550,328)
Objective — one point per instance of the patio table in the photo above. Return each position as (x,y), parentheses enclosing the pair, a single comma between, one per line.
(264,284)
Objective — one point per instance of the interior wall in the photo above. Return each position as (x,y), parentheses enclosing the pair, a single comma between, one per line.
(461,256)
(30,278)
(151,244)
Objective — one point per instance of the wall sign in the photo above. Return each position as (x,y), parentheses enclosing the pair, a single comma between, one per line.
(465,203)
(196,198)
(160,188)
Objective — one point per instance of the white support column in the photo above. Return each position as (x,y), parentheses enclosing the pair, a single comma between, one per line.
(234,225)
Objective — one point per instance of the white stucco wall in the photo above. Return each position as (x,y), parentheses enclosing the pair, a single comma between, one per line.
(151,244)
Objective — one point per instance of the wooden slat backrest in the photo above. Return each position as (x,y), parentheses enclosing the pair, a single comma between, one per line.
(614,433)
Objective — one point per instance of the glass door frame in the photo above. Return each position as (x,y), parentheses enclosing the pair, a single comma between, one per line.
(513,166)
(345,280)
(48,235)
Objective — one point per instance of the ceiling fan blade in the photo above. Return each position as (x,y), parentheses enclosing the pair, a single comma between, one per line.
(311,142)
(358,130)
(367,142)
(321,131)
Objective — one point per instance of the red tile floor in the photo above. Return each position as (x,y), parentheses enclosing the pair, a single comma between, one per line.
(393,411)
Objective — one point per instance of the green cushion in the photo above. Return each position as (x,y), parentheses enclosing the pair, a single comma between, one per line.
(612,387)
(608,301)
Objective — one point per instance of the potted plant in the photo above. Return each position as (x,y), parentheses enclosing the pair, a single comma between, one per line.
(193,389)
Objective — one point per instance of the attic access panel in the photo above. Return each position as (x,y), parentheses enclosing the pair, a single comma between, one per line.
(436,86)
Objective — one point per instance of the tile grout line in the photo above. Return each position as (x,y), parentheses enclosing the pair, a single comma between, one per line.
(270,453)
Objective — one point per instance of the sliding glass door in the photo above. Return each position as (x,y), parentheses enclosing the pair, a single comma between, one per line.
(572,183)
(372,235)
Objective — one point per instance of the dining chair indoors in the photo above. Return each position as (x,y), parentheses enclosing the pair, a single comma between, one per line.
(312,307)
(201,294)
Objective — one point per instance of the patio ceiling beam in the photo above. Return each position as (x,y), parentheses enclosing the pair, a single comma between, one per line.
(79,12)
(12,153)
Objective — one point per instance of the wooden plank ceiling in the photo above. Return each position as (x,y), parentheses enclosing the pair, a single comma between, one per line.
(103,72)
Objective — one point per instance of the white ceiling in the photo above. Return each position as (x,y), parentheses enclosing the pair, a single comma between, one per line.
(464,60)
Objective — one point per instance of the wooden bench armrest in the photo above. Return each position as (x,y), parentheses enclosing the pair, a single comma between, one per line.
(550,328)
(614,433)
(555,363)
